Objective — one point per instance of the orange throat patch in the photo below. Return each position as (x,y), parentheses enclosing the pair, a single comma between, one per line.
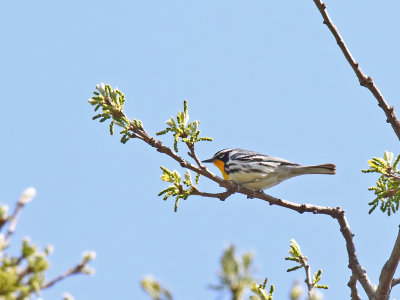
(221,166)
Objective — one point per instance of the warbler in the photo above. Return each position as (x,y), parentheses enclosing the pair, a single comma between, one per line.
(258,171)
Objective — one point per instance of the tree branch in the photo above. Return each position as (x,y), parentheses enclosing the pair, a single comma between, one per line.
(231,187)
(75,270)
(364,80)
(220,196)
(395,281)
(388,270)
(353,287)
(354,264)
(25,198)
(193,155)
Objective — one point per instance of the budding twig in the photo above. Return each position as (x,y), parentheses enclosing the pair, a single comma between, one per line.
(13,222)
(135,127)
(81,268)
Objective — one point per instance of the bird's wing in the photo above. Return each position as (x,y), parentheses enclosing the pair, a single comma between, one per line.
(256,158)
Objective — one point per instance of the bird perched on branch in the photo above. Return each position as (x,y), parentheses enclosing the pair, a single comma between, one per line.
(258,171)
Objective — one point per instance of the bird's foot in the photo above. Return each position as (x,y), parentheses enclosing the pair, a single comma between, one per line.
(255,193)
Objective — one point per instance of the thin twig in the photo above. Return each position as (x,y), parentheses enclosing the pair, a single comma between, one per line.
(388,270)
(134,135)
(75,270)
(193,155)
(353,288)
(27,270)
(364,80)
(13,222)
(220,196)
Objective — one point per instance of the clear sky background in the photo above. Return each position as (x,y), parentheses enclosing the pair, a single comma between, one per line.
(261,75)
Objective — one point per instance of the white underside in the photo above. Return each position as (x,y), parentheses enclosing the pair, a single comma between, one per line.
(258,181)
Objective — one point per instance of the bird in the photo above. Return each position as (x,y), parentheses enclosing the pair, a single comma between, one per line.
(258,171)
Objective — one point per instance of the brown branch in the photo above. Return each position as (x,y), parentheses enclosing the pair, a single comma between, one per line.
(193,155)
(26,271)
(160,147)
(364,80)
(75,270)
(353,287)
(220,196)
(395,281)
(134,135)
(231,187)
(354,264)
(388,270)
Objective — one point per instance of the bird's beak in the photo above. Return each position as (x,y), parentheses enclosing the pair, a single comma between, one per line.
(208,160)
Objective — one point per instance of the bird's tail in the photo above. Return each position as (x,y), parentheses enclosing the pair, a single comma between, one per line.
(319,169)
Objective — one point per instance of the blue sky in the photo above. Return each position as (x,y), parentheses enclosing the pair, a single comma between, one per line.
(261,75)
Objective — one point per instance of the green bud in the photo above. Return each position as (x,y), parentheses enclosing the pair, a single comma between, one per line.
(67,296)
(27,249)
(49,249)
(88,256)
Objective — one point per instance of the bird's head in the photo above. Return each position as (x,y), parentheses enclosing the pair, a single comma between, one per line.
(219,159)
